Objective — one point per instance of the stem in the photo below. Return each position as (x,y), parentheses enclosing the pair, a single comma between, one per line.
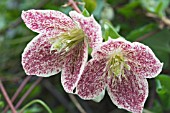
(59,96)
(18,91)
(28,92)
(74,5)
(146,111)
(36,101)
(148,35)
(74,100)
(7,98)
(166,20)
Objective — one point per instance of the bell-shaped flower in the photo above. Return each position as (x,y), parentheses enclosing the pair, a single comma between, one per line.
(121,68)
(61,45)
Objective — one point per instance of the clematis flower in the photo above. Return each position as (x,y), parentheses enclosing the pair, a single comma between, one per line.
(61,44)
(121,68)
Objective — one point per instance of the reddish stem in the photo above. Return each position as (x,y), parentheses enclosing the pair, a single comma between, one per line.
(74,5)
(28,92)
(18,91)
(7,98)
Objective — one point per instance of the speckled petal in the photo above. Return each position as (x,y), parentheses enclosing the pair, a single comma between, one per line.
(73,67)
(140,57)
(109,47)
(129,93)
(37,59)
(143,62)
(92,81)
(91,28)
(47,21)
(99,97)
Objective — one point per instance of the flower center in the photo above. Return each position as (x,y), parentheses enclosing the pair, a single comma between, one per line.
(67,40)
(116,64)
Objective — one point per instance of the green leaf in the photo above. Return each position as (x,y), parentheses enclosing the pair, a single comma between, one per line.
(156,108)
(163,56)
(157,7)
(128,10)
(160,44)
(90,5)
(59,109)
(109,30)
(163,90)
(1,102)
(85,12)
(99,8)
(163,83)
(137,33)
(26,4)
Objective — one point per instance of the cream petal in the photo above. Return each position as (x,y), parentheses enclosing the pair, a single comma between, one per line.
(129,93)
(143,61)
(92,82)
(73,67)
(139,57)
(91,28)
(110,47)
(38,60)
(48,22)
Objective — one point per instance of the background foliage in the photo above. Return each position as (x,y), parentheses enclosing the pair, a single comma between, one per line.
(145,21)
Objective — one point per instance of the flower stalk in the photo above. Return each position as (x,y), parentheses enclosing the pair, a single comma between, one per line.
(7,97)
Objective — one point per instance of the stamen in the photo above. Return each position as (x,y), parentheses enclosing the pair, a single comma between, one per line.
(67,40)
(116,65)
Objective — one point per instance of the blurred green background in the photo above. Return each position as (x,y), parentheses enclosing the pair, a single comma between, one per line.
(145,21)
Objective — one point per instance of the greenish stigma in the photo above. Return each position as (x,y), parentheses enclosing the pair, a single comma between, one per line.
(116,65)
(67,40)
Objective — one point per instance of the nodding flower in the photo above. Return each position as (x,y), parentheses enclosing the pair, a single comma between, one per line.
(61,45)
